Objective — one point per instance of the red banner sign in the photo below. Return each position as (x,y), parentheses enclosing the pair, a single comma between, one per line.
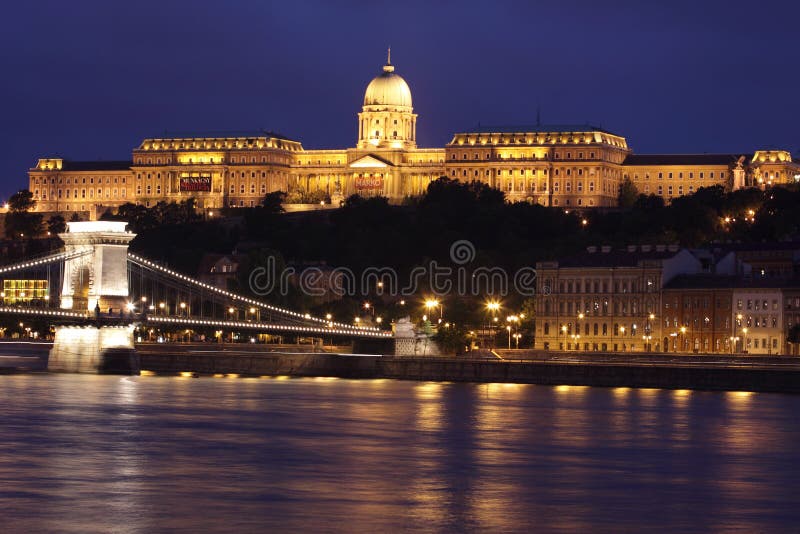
(201,183)
(369,182)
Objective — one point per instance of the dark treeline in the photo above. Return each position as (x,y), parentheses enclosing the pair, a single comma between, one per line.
(369,232)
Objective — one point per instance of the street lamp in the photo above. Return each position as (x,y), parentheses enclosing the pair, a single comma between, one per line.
(516,338)
(431,304)
(648,330)
(183,308)
(683,337)
(509,336)
(744,339)
(622,334)
(564,331)
(370,308)
(231,311)
(161,306)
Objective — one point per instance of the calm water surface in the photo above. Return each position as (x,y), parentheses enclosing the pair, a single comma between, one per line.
(149,454)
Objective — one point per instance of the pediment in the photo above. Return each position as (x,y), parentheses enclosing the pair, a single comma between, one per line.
(371,162)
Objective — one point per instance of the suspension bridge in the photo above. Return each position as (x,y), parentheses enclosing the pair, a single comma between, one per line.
(95,293)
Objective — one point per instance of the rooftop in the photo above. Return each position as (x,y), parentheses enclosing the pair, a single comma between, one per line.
(538,128)
(627,257)
(221,134)
(681,159)
(711,281)
(101,165)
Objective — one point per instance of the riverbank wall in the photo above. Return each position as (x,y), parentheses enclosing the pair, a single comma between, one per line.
(765,378)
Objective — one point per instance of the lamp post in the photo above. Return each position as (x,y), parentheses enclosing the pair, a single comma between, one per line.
(649,330)
(622,334)
(516,338)
(492,306)
(564,331)
(683,337)
(183,309)
(508,328)
(744,339)
(432,304)
(737,322)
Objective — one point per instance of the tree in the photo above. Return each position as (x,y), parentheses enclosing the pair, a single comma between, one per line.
(56,225)
(794,334)
(273,202)
(21,224)
(21,201)
(451,339)
(628,193)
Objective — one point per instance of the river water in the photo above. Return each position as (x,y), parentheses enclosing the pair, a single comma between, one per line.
(82,453)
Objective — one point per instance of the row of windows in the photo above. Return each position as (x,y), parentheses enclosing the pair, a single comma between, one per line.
(242,174)
(604,307)
(522,155)
(73,193)
(670,175)
(233,159)
(597,329)
(756,304)
(78,180)
(603,286)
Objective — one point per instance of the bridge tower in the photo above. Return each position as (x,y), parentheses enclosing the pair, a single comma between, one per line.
(97,278)
(101,276)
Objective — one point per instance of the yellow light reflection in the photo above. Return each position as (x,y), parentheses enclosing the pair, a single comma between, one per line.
(145,372)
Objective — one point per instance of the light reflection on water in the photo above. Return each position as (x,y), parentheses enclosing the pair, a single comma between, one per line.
(99,454)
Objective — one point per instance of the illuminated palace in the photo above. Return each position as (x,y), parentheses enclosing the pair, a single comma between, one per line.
(564,166)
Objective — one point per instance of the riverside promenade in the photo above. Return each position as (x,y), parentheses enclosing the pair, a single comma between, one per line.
(705,372)
(672,371)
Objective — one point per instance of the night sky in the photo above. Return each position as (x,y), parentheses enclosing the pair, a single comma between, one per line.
(90,79)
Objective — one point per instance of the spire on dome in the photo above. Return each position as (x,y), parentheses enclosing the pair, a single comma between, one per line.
(388,67)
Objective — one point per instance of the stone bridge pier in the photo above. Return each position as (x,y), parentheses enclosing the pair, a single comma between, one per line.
(96,279)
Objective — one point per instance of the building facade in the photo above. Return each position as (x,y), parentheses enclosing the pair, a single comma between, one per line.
(562,166)
(607,300)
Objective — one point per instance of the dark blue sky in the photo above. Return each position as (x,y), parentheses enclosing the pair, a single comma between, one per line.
(90,79)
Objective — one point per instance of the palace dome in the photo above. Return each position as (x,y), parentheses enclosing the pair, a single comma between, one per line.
(388,89)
